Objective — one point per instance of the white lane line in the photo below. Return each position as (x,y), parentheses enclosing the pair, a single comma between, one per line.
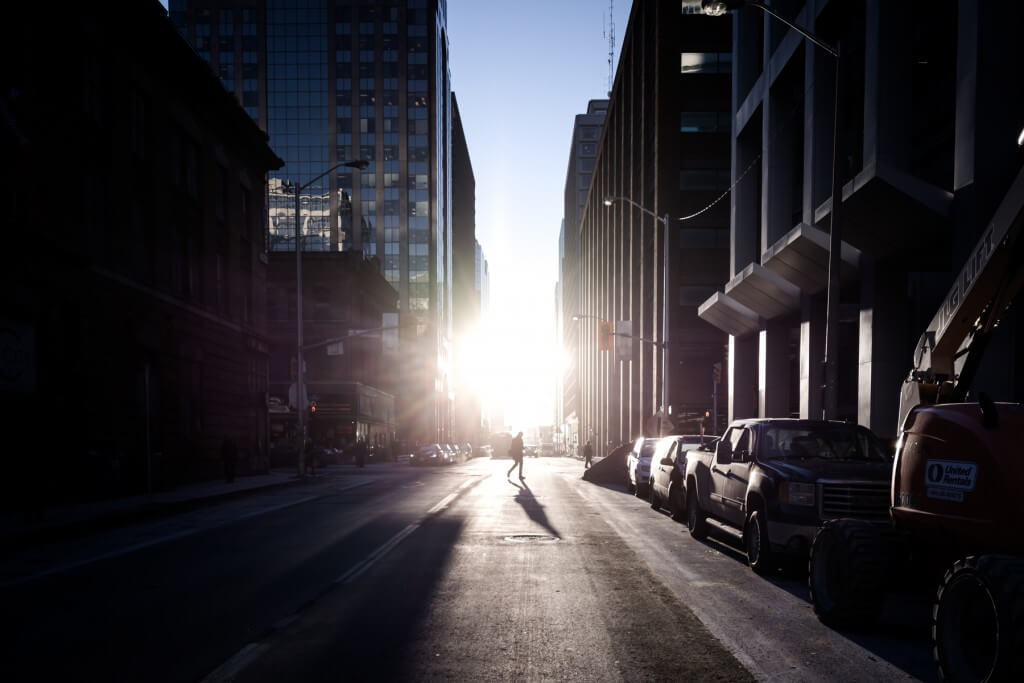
(380,552)
(172,537)
(443,504)
(234,666)
(228,670)
(383,550)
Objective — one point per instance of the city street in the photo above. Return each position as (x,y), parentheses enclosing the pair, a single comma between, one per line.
(402,573)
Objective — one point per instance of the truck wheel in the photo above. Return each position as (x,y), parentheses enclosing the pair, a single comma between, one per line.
(653,496)
(846,573)
(978,620)
(757,544)
(696,522)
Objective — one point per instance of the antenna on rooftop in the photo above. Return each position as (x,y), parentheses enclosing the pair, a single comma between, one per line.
(610,34)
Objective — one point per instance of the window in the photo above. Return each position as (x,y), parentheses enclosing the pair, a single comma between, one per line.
(703,122)
(705,62)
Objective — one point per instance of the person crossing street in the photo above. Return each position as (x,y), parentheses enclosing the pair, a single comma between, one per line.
(515,451)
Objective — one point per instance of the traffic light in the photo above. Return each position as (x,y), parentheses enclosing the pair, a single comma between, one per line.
(604,335)
(716,372)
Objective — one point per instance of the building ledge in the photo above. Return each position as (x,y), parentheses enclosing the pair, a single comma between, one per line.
(729,315)
(892,214)
(800,257)
(763,291)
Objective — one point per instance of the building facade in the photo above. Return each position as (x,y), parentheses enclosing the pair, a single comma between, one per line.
(465,296)
(339,80)
(137,329)
(347,354)
(653,241)
(927,121)
(582,156)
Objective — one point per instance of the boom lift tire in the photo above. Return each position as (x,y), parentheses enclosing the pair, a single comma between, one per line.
(978,620)
(846,573)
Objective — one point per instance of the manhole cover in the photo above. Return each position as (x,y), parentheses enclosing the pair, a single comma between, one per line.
(530,538)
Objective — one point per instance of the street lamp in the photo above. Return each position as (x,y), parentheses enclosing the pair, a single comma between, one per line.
(608,201)
(300,389)
(830,405)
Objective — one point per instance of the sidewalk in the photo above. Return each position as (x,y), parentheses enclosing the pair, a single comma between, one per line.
(63,521)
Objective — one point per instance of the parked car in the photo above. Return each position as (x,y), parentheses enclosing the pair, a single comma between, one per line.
(427,455)
(449,456)
(779,480)
(638,465)
(668,471)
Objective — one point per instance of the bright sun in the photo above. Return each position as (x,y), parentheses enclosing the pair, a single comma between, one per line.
(513,370)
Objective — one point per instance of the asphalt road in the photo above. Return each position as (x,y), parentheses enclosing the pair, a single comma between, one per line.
(402,573)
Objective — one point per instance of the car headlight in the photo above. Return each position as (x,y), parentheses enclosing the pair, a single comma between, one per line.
(796,493)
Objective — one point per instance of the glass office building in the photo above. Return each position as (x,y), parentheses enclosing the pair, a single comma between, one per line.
(333,81)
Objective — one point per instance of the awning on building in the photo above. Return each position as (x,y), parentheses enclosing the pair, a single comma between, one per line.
(729,315)
(763,291)
(801,257)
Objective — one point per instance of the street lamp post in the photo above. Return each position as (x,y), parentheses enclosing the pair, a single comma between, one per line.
(830,405)
(300,389)
(608,201)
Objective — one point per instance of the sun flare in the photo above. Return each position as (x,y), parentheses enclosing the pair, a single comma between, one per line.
(512,369)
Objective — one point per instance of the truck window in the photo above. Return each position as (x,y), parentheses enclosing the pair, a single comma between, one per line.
(741,451)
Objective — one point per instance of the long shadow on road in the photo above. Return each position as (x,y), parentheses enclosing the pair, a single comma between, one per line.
(367,630)
(532,507)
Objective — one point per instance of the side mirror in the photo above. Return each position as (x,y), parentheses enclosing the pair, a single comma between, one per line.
(666,461)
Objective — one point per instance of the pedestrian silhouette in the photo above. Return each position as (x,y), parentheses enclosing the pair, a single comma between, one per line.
(588,455)
(515,450)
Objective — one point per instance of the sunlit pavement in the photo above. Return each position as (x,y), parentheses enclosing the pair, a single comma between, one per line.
(425,574)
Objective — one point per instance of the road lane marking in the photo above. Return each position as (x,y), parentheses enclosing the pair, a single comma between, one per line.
(380,552)
(125,550)
(228,670)
(356,570)
(244,657)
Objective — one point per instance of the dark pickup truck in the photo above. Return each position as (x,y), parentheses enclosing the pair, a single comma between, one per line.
(778,480)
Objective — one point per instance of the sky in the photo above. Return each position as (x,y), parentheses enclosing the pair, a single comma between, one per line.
(521,72)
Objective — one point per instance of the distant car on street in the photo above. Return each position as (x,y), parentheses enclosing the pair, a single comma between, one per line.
(638,465)
(427,455)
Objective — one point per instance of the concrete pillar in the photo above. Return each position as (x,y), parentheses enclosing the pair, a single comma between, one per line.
(773,370)
(884,355)
(812,353)
(743,377)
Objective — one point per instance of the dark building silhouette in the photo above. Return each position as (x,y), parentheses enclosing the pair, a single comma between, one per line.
(586,133)
(334,81)
(465,296)
(132,302)
(665,148)
(349,359)
(931,109)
